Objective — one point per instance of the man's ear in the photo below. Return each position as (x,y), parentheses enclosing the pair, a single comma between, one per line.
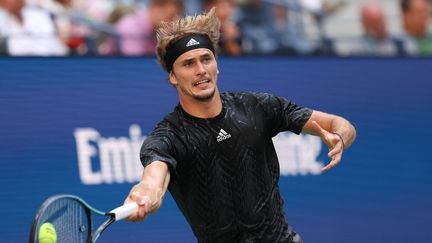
(172,78)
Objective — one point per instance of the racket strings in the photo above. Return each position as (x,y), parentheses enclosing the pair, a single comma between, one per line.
(70,220)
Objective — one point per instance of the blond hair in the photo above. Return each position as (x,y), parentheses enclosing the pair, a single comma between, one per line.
(169,32)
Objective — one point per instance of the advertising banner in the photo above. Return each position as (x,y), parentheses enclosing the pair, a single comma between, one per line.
(75,126)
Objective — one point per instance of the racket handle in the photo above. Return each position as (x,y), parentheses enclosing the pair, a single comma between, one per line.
(124,211)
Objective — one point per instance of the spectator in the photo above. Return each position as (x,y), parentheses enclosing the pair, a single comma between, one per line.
(230,32)
(257,26)
(376,41)
(192,7)
(95,10)
(28,30)
(288,27)
(107,44)
(269,28)
(415,17)
(71,32)
(80,24)
(137,30)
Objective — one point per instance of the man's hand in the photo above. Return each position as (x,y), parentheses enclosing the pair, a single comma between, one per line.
(334,143)
(144,203)
(149,193)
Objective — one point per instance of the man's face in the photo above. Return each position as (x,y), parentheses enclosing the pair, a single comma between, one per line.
(416,18)
(224,9)
(167,12)
(195,74)
(13,6)
(373,21)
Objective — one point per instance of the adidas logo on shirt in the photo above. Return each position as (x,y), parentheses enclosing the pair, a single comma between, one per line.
(222,135)
(192,42)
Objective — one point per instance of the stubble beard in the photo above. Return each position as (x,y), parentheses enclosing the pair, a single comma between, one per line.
(201,98)
(207,97)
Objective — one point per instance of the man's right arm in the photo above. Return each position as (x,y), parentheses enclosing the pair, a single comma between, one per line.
(150,191)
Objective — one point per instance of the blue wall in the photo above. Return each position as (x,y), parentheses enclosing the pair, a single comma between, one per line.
(381,192)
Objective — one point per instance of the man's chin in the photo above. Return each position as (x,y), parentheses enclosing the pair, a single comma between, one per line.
(205,97)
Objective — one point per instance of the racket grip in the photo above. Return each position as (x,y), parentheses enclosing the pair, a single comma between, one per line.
(124,211)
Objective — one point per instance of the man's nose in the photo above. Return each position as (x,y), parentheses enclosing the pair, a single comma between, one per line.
(200,69)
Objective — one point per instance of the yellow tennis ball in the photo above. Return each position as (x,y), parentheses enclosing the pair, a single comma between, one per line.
(47,233)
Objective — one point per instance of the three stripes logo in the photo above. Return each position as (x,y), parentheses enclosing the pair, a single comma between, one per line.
(192,42)
(222,136)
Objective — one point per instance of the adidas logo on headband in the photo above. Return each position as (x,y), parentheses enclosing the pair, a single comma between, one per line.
(192,42)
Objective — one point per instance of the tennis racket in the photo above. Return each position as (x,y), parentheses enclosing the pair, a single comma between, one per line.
(70,217)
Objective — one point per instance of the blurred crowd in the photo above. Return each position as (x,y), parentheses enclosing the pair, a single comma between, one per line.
(249,27)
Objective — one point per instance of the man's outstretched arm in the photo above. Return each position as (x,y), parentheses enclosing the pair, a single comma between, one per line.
(150,191)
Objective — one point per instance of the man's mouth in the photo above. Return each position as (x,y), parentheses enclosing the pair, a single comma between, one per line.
(202,82)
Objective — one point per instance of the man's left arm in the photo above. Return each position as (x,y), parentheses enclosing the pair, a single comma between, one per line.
(335,131)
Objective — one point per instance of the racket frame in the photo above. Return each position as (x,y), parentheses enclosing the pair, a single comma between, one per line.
(92,236)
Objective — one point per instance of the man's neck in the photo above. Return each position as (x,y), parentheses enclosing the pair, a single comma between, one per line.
(202,109)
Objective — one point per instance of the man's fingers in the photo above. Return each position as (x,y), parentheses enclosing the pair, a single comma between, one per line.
(328,167)
(143,206)
(334,143)
(333,152)
(141,212)
(336,159)
(135,196)
(336,150)
(133,216)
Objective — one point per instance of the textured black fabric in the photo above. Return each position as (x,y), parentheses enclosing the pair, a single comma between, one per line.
(225,170)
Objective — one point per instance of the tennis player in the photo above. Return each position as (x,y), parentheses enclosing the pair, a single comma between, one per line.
(214,152)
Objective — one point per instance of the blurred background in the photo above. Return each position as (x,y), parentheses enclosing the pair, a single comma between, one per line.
(249,27)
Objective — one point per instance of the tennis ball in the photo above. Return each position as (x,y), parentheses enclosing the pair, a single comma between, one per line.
(47,233)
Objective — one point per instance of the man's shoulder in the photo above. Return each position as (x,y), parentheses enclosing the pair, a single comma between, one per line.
(170,120)
(165,130)
(173,123)
(248,98)
(242,95)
